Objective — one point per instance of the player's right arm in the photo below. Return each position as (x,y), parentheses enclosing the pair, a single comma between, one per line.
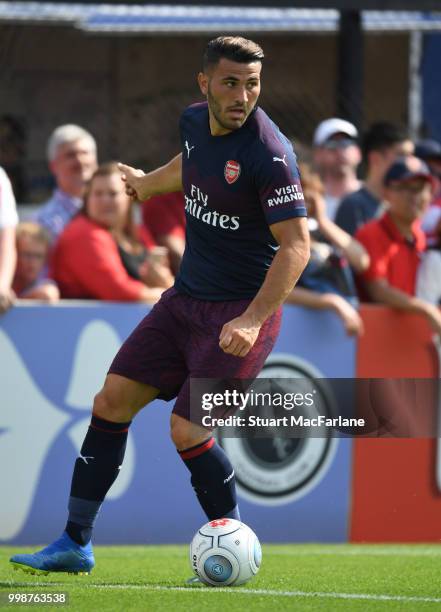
(165,179)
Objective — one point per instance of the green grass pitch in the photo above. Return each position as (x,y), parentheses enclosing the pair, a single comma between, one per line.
(307,578)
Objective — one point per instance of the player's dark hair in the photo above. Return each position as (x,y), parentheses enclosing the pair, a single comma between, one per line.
(383,135)
(233,48)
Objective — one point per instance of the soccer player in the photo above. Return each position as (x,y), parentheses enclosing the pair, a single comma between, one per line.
(247,243)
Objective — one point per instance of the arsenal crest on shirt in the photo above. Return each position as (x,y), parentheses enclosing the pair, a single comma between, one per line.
(232,171)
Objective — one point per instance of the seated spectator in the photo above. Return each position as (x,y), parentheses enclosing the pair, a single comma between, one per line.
(100,255)
(327,281)
(395,242)
(336,158)
(71,153)
(430,151)
(8,254)
(164,216)
(382,144)
(33,243)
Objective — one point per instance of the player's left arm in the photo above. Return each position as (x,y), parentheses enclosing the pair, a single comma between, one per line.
(239,335)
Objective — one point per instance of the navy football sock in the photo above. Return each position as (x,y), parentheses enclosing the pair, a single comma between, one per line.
(213,480)
(95,471)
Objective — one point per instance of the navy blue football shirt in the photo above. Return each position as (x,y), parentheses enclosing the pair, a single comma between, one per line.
(235,187)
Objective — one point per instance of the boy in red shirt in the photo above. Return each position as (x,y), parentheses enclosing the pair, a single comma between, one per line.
(395,242)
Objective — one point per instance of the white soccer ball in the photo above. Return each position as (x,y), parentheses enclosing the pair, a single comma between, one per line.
(225,552)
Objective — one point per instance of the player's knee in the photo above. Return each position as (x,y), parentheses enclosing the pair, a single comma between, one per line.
(180,435)
(185,435)
(104,406)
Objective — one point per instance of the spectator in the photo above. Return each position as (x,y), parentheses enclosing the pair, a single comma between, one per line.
(382,144)
(164,216)
(395,242)
(71,152)
(8,254)
(33,244)
(99,255)
(336,157)
(327,282)
(430,152)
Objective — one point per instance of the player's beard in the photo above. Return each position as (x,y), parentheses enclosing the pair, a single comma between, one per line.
(216,110)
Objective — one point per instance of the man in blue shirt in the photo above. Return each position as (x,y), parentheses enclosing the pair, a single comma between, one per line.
(247,242)
(72,160)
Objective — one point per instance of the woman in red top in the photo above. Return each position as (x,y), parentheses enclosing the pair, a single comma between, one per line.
(100,254)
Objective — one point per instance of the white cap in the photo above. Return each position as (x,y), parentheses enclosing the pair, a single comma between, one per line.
(329,127)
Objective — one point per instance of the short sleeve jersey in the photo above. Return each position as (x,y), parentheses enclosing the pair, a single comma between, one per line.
(235,186)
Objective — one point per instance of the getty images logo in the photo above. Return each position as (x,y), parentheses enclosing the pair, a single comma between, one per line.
(30,423)
(276,470)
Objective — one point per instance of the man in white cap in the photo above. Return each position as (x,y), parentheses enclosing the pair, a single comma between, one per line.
(336,157)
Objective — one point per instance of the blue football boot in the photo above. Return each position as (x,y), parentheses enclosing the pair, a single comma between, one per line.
(64,555)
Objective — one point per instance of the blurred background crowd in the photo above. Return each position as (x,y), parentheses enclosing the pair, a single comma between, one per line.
(375,238)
